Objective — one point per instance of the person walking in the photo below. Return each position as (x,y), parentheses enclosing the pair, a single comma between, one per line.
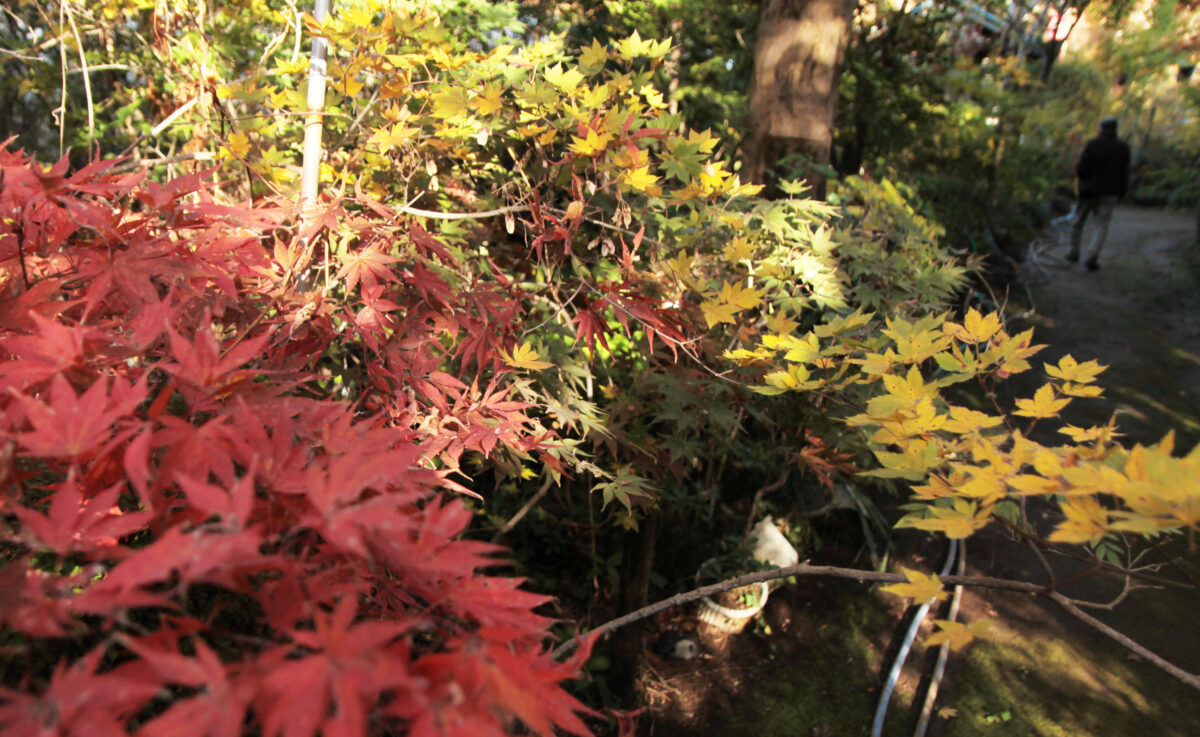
(1103,179)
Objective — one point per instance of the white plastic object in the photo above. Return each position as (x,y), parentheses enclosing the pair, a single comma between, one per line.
(770,546)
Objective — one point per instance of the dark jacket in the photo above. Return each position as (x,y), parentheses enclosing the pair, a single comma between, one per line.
(1103,167)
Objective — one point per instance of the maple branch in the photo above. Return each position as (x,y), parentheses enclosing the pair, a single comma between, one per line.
(136,164)
(524,510)
(1189,678)
(609,226)
(758,495)
(804,569)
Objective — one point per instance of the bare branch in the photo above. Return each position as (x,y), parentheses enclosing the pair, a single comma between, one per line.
(804,569)
(462,215)
(524,510)
(1189,678)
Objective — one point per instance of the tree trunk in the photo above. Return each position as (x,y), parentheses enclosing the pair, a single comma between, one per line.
(793,93)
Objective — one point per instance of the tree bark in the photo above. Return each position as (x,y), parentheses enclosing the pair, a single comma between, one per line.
(793,92)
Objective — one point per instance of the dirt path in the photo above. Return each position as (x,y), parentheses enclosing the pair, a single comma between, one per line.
(1140,315)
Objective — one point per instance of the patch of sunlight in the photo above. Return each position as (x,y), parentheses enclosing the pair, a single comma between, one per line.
(1039,686)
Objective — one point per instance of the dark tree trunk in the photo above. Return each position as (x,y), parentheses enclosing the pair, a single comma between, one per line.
(635,588)
(793,93)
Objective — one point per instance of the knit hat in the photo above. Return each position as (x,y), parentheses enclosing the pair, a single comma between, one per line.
(1108,123)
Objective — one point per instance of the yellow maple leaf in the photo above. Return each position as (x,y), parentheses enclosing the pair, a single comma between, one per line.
(976,328)
(595,97)
(525,357)
(590,145)
(1086,521)
(594,56)
(964,421)
(746,298)
(796,378)
(713,176)
(1085,434)
(715,311)
(800,349)
(876,364)
(653,97)
(704,139)
(961,519)
(938,488)
(1070,370)
(985,484)
(450,102)
(387,138)
(1043,404)
(909,389)
(957,634)
(914,463)
(351,86)
(738,249)
(238,144)
(642,180)
(566,80)
(489,100)
(780,324)
(1081,390)
(748,358)
(632,47)
(681,268)
(1033,485)
(922,588)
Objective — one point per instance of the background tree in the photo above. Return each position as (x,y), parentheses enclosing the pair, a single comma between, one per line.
(794,88)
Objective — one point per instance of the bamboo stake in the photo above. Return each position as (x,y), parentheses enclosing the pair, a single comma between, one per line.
(310,180)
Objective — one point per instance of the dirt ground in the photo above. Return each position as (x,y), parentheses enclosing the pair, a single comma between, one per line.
(814,663)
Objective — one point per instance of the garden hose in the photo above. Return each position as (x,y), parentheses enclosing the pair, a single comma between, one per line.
(894,674)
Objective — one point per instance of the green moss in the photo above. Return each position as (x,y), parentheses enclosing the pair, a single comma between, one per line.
(1044,687)
(830,681)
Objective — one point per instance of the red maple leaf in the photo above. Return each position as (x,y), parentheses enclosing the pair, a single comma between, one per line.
(351,665)
(369,265)
(74,524)
(78,702)
(71,426)
(54,348)
(218,709)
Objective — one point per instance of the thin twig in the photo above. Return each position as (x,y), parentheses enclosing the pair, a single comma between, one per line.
(801,569)
(758,495)
(524,510)
(137,164)
(174,116)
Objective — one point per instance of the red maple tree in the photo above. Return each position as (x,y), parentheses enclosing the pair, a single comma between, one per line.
(202,539)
